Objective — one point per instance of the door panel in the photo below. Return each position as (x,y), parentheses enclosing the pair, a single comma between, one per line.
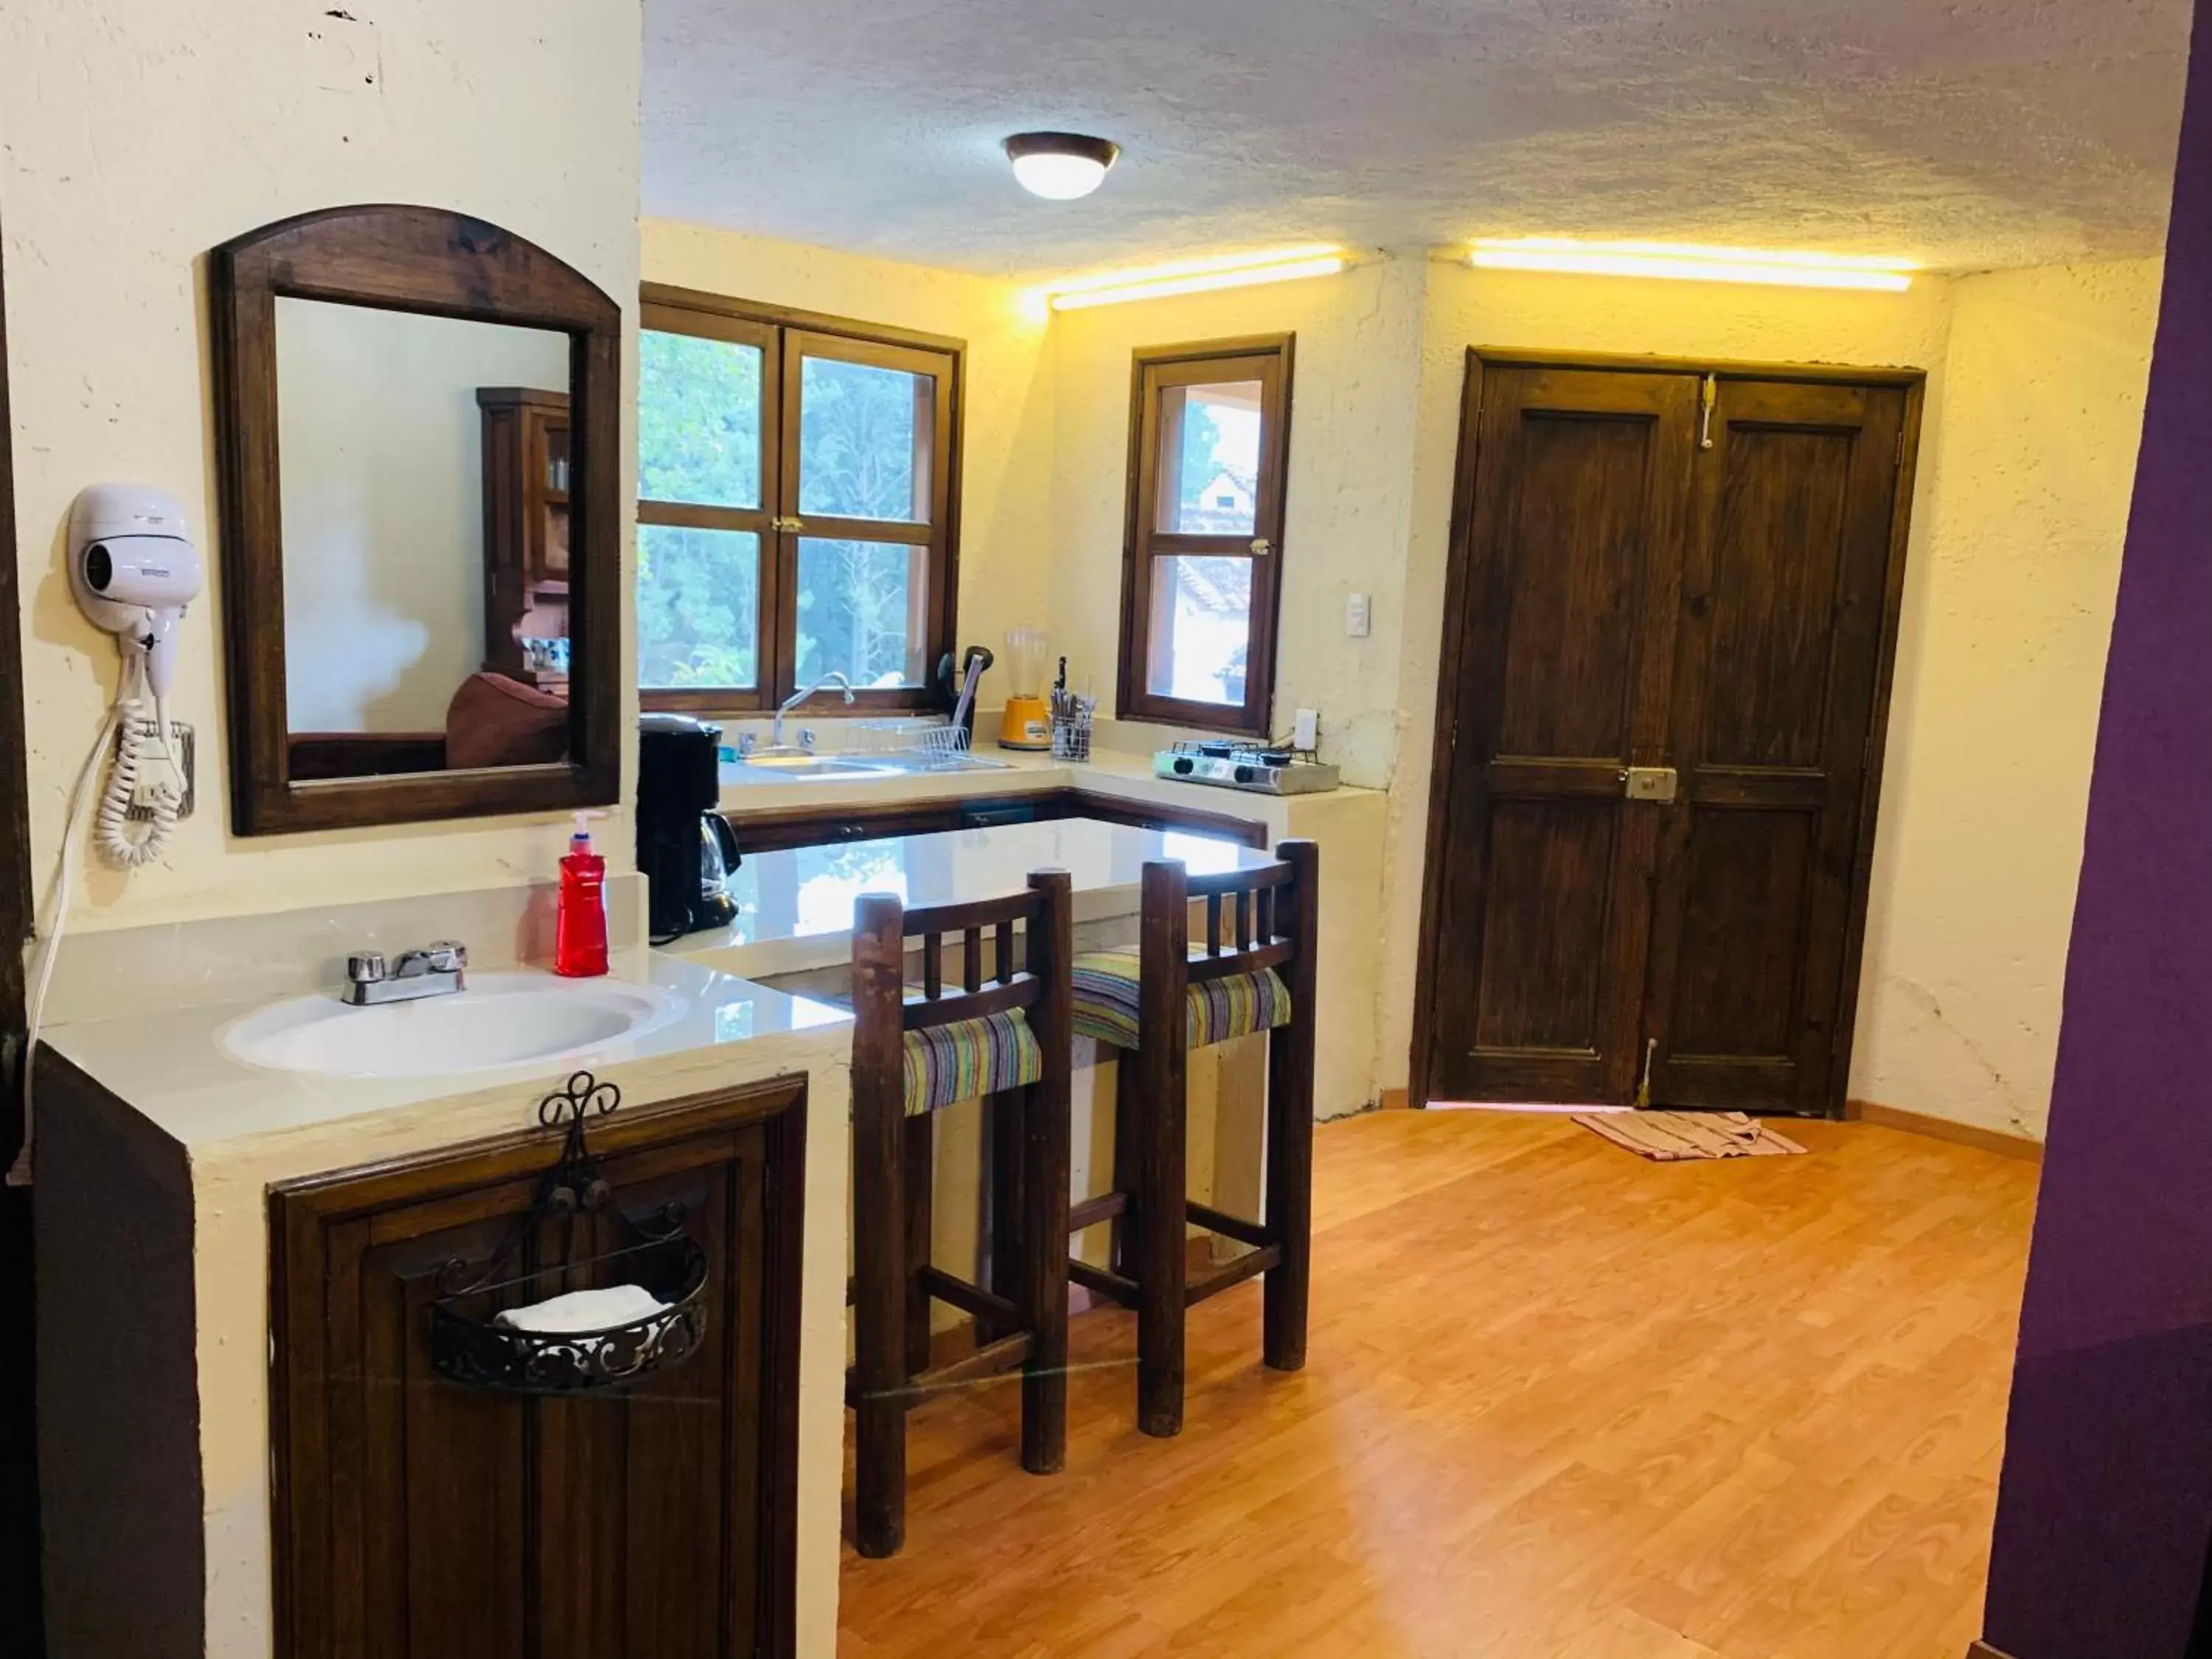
(1735,987)
(1574,527)
(1777,545)
(1578,553)
(1777,657)
(1545,924)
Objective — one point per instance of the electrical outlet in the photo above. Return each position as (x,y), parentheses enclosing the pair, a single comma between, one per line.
(154,768)
(1356,616)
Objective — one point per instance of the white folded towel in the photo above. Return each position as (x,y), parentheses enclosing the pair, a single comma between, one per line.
(585,1311)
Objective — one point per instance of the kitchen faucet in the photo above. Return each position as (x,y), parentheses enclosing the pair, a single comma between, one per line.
(775,739)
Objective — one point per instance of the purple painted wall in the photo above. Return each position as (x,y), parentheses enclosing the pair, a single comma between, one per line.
(2106,1506)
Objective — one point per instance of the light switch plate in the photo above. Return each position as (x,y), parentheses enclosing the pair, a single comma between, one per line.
(1356,615)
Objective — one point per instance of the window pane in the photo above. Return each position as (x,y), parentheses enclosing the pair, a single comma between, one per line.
(1209,470)
(698,607)
(860,612)
(698,421)
(1201,628)
(864,441)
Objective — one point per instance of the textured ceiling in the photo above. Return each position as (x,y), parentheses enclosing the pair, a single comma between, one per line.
(1967,133)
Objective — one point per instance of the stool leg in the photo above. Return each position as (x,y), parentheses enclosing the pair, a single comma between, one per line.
(1291,1124)
(1163,1264)
(1289,1194)
(879,1328)
(919,1154)
(1128,1117)
(999,1245)
(1047,1128)
(1042,1230)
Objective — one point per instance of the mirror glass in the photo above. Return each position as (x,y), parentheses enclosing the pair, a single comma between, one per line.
(424,469)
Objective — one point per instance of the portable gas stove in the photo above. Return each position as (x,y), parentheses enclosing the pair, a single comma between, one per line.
(1264,771)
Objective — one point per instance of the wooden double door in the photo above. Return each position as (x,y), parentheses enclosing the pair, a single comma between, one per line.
(1669,627)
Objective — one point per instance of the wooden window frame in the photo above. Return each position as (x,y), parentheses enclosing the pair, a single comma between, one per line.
(784,335)
(1154,370)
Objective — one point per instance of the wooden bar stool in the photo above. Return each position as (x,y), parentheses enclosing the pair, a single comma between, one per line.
(1156,1004)
(915,1051)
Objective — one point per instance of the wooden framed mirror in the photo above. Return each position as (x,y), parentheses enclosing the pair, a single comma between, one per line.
(418,415)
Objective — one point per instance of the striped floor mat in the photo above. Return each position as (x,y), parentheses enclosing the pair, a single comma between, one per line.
(1674,1137)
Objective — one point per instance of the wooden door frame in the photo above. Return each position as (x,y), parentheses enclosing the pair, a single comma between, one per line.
(1913,383)
(19,1500)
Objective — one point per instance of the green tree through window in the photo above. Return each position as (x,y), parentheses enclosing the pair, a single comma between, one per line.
(845,532)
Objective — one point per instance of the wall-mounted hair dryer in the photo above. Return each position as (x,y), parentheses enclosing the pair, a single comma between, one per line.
(134,569)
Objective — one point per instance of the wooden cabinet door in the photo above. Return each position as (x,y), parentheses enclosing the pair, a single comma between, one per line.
(1558,661)
(1664,683)
(1785,590)
(416,1518)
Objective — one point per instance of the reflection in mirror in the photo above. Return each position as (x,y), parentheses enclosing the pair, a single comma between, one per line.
(423,470)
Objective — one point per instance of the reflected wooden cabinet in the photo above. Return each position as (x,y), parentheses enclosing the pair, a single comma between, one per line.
(526,496)
(418,1518)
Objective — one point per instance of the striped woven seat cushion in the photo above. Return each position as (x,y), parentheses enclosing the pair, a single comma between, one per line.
(1235,1005)
(969,1059)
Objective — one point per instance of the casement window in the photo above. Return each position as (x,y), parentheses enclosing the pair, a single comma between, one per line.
(796,476)
(1209,440)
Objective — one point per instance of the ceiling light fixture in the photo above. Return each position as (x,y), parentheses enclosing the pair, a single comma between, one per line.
(1691,262)
(1060,165)
(1199,277)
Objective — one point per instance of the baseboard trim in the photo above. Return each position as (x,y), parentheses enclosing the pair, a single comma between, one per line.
(1983,1650)
(1944,1128)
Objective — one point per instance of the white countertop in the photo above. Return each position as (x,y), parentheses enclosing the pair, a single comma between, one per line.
(795,907)
(172,1068)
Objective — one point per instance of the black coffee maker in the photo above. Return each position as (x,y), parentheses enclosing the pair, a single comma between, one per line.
(684,846)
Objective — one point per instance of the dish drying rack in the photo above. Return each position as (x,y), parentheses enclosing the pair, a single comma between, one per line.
(915,735)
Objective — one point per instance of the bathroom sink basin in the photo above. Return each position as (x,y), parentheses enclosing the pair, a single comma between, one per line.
(499,1020)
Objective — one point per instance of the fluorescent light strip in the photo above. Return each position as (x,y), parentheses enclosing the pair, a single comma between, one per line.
(1199,277)
(1684,262)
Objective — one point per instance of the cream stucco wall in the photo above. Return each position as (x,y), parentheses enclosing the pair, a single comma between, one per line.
(1347,521)
(1006,455)
(2000,671)
(138,135)
(2033,409)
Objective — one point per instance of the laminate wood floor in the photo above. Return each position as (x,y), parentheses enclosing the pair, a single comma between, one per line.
(1561,1403)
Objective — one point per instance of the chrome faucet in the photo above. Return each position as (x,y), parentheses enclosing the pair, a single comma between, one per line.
(436,970)
(775,739)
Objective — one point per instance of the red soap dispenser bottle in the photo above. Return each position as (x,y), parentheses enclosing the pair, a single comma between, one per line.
(580,923)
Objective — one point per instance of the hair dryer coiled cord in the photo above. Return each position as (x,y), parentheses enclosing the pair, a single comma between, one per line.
(112,835)
(113,832)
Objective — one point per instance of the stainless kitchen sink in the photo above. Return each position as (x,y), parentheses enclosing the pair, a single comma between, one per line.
(800,764)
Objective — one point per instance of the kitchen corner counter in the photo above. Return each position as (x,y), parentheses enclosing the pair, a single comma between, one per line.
(1113,773)
(795,906)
